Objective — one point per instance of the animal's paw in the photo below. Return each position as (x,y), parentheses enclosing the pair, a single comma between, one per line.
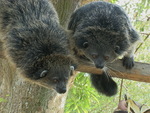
(128,62)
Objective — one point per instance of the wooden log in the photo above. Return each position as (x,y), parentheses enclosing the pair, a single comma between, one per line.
(140,72)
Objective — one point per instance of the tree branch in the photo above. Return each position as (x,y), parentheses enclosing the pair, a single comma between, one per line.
(140,72)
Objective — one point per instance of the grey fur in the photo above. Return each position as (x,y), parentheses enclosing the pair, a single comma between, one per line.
(101,32)
(35,42)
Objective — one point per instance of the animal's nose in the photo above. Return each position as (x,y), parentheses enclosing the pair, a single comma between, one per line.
(101,66)
(62,90)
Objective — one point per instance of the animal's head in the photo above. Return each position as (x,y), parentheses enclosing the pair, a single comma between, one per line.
(42,55)
(104,35)
(50,71)
(101,46)
(102,31)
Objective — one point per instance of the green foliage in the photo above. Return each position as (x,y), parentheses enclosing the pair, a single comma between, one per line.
(113,1)
(83,98)
(80,92)
(143,53)
(2,100)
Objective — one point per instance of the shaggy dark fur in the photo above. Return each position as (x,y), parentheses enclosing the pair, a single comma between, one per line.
(101,32)
(104,84)
(35,42)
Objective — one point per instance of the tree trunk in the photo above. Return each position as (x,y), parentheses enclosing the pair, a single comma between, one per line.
(64,9)
(19,96)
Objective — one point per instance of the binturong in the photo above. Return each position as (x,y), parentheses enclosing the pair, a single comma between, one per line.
(35,42)
(100,33)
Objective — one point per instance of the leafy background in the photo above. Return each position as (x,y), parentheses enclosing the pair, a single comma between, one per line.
(83,98)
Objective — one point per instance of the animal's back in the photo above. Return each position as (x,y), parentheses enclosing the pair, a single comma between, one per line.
(26,13)
(108,16)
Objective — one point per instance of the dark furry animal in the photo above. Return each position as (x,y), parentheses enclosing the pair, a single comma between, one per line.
(101,32)
(35,42)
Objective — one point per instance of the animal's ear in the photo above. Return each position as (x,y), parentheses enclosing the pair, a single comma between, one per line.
(74,20)
(134,36)
(85,44)
(72,68)
(82,43)
(117,49)
(121,46)
(43,73)
(75,66)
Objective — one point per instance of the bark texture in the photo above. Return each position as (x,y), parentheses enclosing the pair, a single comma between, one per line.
(64,9)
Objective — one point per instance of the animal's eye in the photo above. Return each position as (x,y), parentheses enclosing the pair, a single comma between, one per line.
(117,48)
(44,73)
(106,57)
(94,55)
(85,44)
(55,80)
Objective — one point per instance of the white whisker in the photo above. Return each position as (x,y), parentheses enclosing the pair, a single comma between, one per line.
(105,70)
(111,68)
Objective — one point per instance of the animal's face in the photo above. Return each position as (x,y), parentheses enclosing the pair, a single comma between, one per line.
(101,47)
(51,72)
(41,55)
